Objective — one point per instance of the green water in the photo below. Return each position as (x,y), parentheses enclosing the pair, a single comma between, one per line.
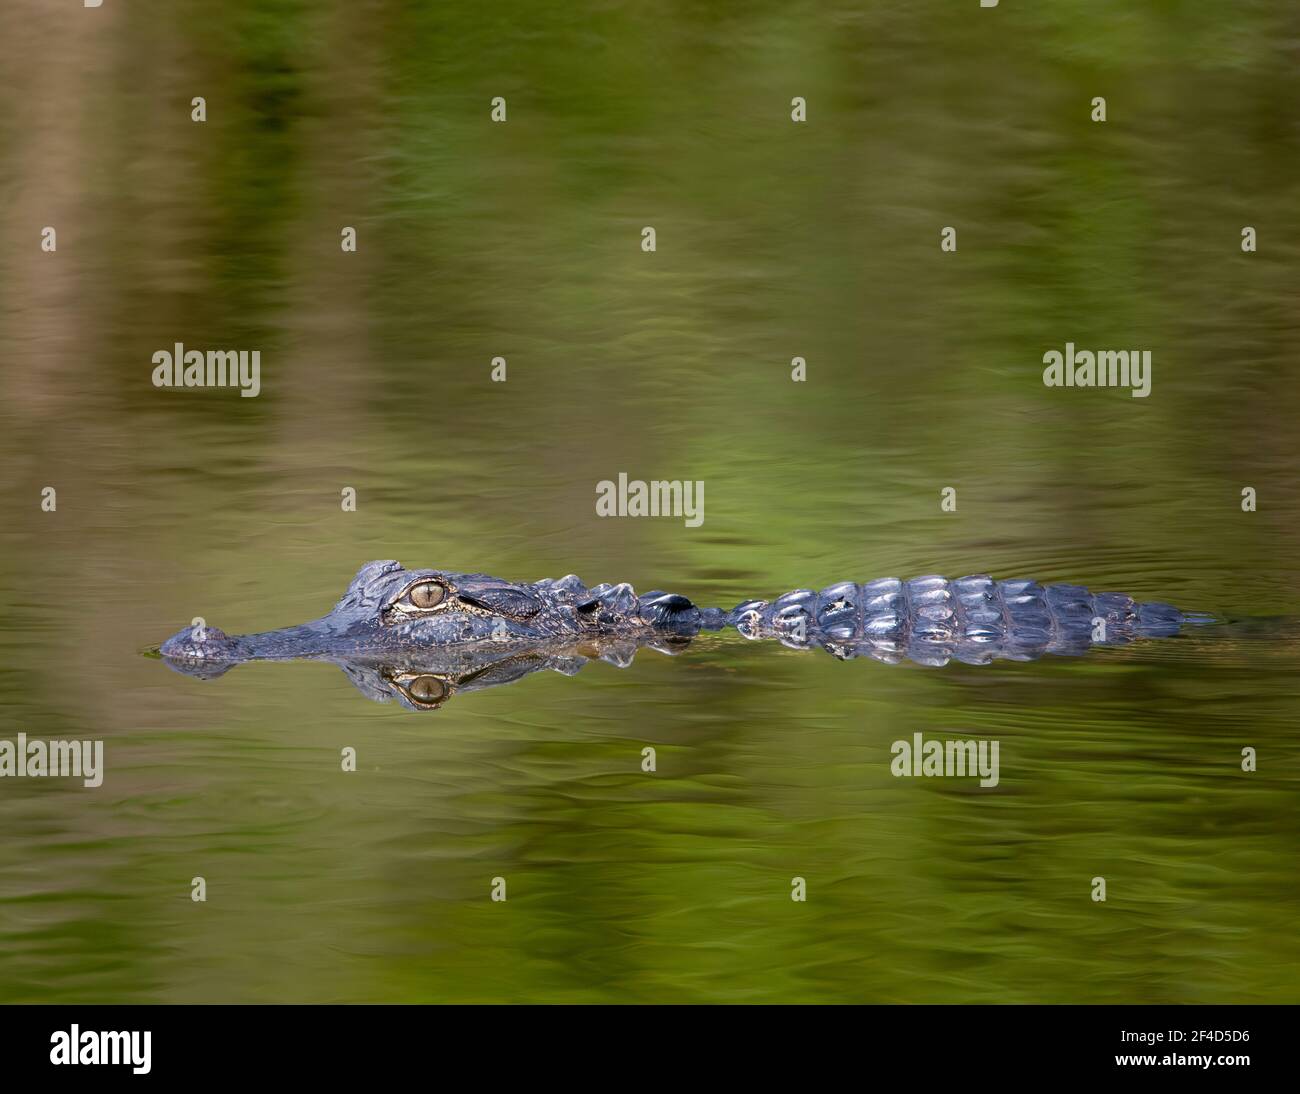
(774,240)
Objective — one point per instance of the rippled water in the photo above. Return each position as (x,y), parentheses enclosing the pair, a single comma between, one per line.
(775,240)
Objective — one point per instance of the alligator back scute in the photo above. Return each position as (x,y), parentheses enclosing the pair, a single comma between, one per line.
(884,610)
(931,620)
(838,610)
(932,608)
(981,612)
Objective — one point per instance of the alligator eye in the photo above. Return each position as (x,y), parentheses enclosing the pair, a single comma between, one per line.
(428,594)
(427,689)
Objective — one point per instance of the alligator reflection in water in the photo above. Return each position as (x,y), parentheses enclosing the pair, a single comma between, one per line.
(426,679)
(420,636)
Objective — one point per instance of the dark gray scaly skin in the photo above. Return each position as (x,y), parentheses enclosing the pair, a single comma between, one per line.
(931,620)
(483,631)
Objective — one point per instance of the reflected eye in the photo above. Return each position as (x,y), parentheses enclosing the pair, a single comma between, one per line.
(427,689)
(428,594)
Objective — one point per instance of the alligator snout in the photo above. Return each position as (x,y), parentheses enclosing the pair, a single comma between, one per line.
(200,643)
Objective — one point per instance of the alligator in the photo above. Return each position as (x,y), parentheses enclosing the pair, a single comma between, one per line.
(420,635)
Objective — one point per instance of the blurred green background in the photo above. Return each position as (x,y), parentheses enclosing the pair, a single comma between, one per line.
(775,240)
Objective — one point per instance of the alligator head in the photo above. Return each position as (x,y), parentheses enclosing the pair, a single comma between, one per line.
(390,609)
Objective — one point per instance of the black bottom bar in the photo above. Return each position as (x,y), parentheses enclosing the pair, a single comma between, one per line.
(1227,1045)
